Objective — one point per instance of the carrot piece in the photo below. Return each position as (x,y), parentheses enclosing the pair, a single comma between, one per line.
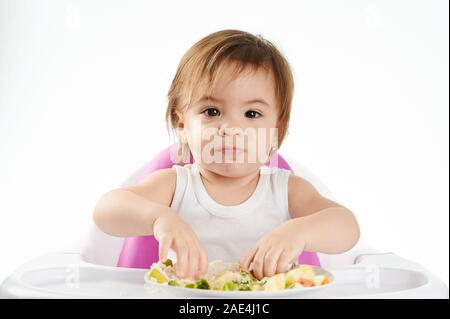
(306,282)
(325,281)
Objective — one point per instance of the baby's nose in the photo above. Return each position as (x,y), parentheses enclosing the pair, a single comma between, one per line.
(229,130)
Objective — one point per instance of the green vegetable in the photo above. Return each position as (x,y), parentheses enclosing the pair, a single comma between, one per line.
(190,285)
(173,283)
(168,262)
(230,286)
(202,284)
(290,286)
(244,287)
(263,281)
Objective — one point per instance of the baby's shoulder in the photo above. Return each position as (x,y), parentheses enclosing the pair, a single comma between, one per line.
(299,185)
(165,176)
(158,186)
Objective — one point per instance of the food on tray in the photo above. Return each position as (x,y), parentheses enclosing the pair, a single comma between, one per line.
(230,276)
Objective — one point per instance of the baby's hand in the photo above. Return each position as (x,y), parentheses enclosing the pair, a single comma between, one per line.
(274,251)
(172,232)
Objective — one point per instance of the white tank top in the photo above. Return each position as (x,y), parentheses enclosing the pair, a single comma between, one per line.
(227,232)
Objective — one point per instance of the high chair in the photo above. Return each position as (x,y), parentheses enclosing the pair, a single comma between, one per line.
(112,267)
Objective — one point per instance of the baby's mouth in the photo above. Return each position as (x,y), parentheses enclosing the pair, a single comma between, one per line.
(229,150)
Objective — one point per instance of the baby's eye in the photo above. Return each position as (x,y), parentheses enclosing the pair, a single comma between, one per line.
(252,114)
(210,112)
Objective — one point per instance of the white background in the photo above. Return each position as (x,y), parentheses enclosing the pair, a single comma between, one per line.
(83,89)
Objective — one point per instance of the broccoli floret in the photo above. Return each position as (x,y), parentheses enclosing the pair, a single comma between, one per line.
(190,285)
(168,262)
(244,287)
(202,284)
(173,283)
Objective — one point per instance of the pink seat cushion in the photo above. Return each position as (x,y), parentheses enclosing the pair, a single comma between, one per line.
(142,251)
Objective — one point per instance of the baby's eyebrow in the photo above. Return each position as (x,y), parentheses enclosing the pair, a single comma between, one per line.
(252,101)
(210,98)
(257,101)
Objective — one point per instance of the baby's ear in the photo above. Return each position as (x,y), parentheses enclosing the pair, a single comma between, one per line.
(180,127)
(179,119)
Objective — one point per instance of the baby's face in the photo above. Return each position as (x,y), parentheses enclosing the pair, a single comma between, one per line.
(231,132)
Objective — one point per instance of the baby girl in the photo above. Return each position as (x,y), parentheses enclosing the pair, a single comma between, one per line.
(229,104)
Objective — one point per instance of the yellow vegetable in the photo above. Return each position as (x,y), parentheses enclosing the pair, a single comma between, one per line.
(302,272)
(257,287)
(277,282)
(158,275)
(220,281)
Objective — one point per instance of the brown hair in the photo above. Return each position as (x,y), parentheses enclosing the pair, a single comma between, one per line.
(207,60)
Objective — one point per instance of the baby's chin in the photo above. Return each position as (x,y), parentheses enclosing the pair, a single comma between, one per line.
(232,169)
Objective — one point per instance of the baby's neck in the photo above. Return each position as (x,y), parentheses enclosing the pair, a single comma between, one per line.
(217,179)
(229,190)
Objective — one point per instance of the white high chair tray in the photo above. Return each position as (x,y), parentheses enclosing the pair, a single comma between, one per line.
(65,275)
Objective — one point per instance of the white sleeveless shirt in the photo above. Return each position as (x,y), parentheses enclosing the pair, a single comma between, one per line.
(227,232)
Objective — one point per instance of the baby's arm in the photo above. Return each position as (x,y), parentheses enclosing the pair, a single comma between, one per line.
(327,226)
(131,211)
(144,209)
(318,224)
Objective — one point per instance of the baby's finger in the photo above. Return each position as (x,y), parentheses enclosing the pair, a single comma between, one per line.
(284,260)
(164,246)
(271,260)
(258,262)
(182,260)
(192,263)
(203,267)
(247,259)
